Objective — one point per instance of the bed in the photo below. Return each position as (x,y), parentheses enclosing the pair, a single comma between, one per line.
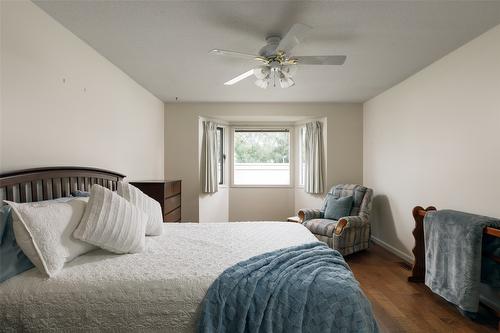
(159,289)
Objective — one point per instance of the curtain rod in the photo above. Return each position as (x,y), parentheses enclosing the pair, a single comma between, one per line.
(262,130)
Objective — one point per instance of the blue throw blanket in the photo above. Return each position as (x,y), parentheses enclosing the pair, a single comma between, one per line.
(306,288)
(453,244)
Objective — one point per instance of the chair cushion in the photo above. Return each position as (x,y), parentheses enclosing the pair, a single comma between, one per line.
(356,191)
(324,227)
(337,208)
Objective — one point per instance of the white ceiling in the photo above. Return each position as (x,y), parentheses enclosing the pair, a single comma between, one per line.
(164,45)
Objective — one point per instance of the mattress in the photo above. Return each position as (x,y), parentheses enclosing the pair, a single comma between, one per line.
(160,289)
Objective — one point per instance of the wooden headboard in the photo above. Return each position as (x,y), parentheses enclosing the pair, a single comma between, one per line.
(39,184)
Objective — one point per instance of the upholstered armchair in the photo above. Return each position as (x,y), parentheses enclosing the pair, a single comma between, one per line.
(350,233)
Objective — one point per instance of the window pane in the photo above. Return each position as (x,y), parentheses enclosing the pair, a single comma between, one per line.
(261,157)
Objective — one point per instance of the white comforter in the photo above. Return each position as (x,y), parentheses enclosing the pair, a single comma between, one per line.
(160,289)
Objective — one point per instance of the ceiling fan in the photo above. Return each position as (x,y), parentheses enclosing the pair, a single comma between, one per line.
(278,65)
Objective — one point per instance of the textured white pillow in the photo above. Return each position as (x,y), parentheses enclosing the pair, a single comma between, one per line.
(44,231)
(112,223)
(148,205)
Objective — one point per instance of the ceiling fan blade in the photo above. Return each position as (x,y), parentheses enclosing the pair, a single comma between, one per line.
(239,78)
(321,60)
(293,37)
(234,54)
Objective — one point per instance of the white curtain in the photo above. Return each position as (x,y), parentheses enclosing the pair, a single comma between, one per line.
(209,182)
(314,178)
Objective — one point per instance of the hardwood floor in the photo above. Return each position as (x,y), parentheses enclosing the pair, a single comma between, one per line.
(401,306)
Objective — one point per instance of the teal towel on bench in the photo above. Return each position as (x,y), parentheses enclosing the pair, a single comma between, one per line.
(306,288)
(453,243)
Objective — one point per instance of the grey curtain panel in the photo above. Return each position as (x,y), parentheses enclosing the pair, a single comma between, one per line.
(209,183)
(314,178)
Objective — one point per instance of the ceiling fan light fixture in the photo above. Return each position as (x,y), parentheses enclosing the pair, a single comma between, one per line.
(277,65)
(289,70)
(262,72)
(262,83)
(286,82)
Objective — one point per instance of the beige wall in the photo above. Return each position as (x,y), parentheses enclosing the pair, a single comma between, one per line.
(213,207)
(260,204)
(433,140)
(344,157)
(64,104)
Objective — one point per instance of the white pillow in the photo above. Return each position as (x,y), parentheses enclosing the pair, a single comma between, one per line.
(44,231)
(112,223)
(148,205)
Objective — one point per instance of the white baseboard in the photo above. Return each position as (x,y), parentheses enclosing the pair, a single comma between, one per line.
(393,250)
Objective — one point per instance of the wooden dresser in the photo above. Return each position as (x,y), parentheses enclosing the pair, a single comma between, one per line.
(167,193)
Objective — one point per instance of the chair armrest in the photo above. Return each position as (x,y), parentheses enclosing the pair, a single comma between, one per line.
(309,214)
(349,222)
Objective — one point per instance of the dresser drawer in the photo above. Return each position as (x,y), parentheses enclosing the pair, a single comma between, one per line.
(172,203)
(173,216)
(172,188)
(167,193)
